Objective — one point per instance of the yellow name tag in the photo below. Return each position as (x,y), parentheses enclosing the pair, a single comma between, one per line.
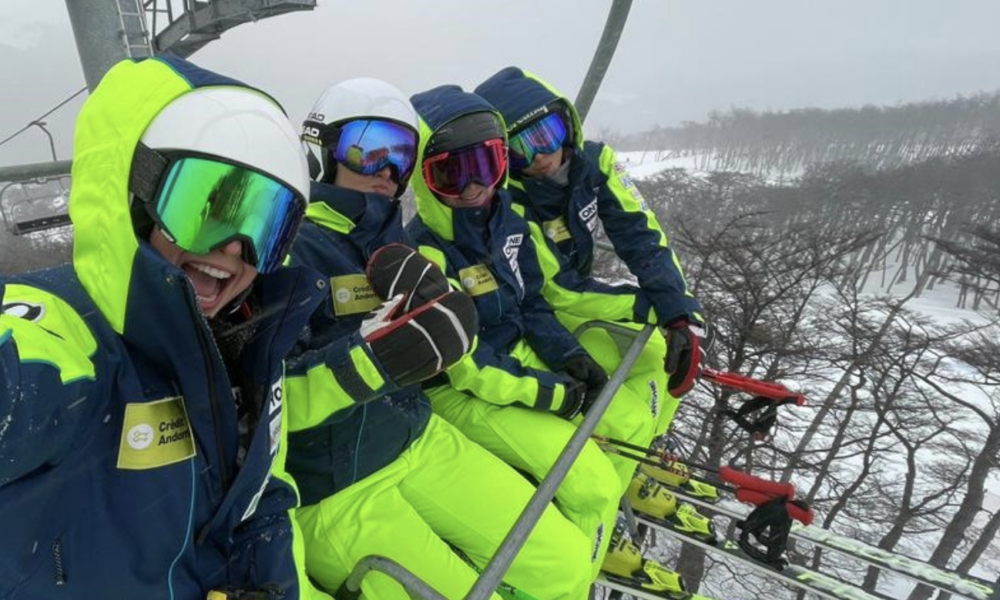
(477,280)
(557,230)
(353,295)
(155,434)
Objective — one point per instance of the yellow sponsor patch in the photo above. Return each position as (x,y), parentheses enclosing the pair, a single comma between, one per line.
(155,434)
(477,280)
(353,295)
(557,230)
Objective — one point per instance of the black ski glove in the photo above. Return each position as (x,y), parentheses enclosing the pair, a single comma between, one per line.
(683,361)
(573,399)
(397,269)
(417,345)
(588,379)
(584,368)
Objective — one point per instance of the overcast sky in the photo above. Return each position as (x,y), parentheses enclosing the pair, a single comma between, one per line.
(678,59)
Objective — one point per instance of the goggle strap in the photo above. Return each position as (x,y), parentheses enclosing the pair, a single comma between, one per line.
(148,167)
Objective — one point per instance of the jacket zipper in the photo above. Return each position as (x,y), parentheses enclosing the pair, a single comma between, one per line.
(213,402)
(57,557)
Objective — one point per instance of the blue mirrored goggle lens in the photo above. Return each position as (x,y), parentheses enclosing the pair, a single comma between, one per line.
(203,205)
(368,146)
(544,136)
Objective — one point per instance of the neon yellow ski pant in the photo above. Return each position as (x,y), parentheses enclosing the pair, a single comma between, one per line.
(531,441)
(646,378)
(443,489)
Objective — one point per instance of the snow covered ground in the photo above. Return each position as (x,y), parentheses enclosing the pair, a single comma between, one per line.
(939,304)
(642,165)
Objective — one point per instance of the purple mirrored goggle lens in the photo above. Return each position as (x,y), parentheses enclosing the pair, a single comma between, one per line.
(448,173)
(368,146)
(544,136)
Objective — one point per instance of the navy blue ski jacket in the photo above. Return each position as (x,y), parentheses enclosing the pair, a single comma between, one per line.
(565,218)
(489,251)
(122,469)
(342,230)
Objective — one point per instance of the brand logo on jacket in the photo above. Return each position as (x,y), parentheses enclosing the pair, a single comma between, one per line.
(511,249)
(155,434)
(274,439)
(24,310)
(588,214)
(477,280)
(353,295)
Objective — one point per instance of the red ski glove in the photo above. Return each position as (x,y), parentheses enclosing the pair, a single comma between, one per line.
(683,361)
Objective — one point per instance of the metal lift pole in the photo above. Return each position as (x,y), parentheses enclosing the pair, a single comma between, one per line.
(505,554)
(602,56)
(99,38)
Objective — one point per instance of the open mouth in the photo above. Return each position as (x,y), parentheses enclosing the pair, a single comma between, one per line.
(210,284)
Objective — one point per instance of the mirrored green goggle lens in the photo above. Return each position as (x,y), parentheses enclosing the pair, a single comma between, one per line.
(203,205)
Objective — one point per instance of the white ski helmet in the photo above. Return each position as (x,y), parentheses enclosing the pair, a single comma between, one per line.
(361,98)
(237,124)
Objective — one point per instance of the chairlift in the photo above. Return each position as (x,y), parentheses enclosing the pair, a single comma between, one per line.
(27,206)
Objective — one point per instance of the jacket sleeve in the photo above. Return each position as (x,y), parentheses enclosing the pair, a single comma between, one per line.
(640,241)
(544,333)
(47,374)
(322,381)
(569,292)
(501,379)
(497,377)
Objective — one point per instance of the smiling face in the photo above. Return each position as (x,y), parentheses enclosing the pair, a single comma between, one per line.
(217,277)
(473,196)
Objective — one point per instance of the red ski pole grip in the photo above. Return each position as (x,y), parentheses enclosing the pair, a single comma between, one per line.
(750,482)
(797,511)
(802,514)
(753,497)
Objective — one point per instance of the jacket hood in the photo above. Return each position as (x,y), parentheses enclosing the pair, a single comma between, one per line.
(437,107)
(110,124)
(520,96)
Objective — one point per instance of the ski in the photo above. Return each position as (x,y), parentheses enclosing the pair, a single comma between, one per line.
(641,594)
(757,491)
(797,576)
(905,566)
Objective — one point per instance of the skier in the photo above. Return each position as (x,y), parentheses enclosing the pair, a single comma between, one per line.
(141,451)
(564,185)
(389,478)
(529,378)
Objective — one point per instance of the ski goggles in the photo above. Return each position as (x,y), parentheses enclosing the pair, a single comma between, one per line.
(367,146)
(203,204)
(448,173)
(542,136)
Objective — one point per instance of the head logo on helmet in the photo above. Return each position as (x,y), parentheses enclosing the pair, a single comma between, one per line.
(365,124)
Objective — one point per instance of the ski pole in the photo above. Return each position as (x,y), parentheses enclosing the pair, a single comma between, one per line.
(754,387)
(759,414)
(744,486)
